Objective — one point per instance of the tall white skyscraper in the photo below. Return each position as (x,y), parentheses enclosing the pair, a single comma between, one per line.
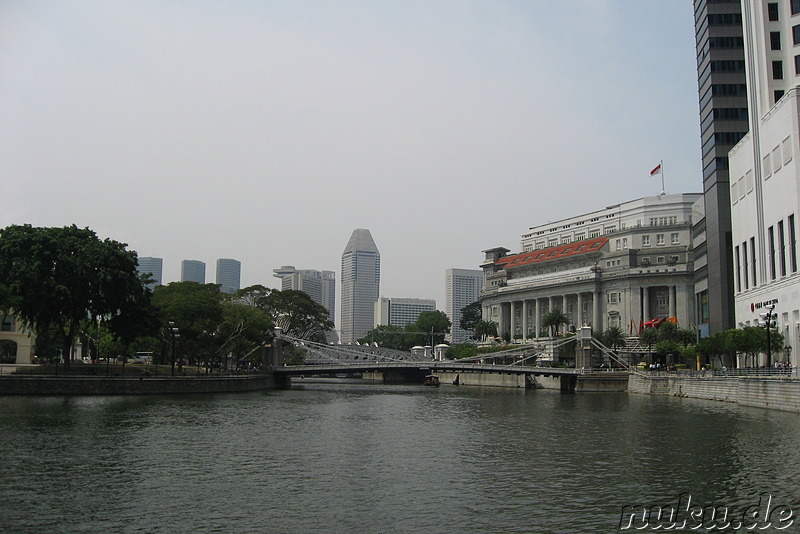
(765,175)
(229,274)
(152,266)
(462,287)
(361,278)
(319,285)
(193,271)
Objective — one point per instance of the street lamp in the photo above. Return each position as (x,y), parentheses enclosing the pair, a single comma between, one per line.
(767,318)
(173,332)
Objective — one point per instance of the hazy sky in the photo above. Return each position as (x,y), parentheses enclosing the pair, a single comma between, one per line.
(267,131)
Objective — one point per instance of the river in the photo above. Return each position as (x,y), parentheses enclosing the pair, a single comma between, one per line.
(347,456)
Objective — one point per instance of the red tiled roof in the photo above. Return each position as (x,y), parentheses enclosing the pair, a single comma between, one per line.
(552,253)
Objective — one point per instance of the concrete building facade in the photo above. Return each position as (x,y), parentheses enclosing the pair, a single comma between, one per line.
(401,311)
(361,277)
(765,198)
(152,266)
(320,286)
(462,288)
(617,267)
(229,275)
(723,122)
(193,271)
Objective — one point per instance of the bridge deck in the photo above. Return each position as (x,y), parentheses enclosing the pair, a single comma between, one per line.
(432,366)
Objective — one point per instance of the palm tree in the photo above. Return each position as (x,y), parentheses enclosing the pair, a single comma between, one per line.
(554,320)
(614,337)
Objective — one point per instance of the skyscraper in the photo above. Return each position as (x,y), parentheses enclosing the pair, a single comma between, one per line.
(401,312)
(319,285)
(193,271)
(765,176)
(462,287)
(723,122)
(152,266)
(229,273)
(361,277)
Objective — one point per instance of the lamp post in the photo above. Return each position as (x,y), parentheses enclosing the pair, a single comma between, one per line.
(173,332)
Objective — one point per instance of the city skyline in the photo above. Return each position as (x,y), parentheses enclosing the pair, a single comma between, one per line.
(418,123)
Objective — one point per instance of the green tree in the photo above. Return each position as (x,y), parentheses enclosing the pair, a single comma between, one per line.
(485,329)
(243,330)
(390,336)
(54,278)
(614,337)
(470,316)
(554,320)
(436,322)
(461,350)
(293,311)
(196,311)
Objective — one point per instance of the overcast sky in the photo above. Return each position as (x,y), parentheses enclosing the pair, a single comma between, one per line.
(267,131)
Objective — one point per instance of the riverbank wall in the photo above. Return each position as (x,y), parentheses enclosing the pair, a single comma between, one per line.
(83,385)
(777,394)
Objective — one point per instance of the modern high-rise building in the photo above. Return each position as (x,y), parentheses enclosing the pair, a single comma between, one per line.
(361,278)
(723,122)
(193,271)
(462,288)
(320,286)
(764,191)
(152,266)
(401,312)
(229,275)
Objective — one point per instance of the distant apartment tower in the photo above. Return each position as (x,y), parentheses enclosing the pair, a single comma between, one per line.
(193,271)
(152,266)
(462,288)
(229,275)
(361,277)
(320,286)
(722,90)
(401,312)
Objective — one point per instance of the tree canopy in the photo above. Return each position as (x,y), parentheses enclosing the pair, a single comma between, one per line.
(60,277)
(470,316)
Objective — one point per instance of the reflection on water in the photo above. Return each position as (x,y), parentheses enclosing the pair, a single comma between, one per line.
(354,457)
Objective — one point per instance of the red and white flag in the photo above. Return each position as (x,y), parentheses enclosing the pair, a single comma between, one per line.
(655,171)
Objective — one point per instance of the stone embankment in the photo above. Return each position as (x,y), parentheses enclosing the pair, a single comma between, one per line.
(774,393)
(144,385)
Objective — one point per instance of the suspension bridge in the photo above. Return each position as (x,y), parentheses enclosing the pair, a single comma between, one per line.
(527,365)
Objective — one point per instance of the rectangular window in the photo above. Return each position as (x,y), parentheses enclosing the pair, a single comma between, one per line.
(618,244)
(753,265)
(775,40)
(781,249)
(779,94)
(796,34)
(795,7)
(744,266)
(771,244)
(767,166)
(645,240)
(738,268)
(777,70)
(624,242)
(792,244)
(776,159)
(772,11)
(676,238)
(787,150)
(660,239)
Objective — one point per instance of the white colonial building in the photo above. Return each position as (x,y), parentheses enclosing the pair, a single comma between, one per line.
(617,267)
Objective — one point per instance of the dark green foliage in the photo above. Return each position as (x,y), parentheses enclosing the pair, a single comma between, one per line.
(57,278)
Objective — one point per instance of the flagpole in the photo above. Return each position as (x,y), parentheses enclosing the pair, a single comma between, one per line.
(663,190)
